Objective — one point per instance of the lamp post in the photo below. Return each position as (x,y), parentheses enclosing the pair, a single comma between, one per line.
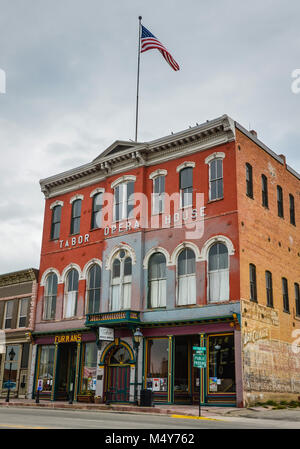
(11,358)
(137,338)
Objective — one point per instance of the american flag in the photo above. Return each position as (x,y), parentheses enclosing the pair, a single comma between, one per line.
(149,41)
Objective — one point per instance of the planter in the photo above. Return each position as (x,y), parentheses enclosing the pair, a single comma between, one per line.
(85,398)
(97,400)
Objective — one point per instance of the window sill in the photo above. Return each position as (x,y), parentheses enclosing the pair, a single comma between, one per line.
(265,207)
(213,201)
(287,311)
(249,196)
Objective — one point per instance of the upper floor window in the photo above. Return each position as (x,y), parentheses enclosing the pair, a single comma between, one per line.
(124,201)
(158,195)
(249,180)
(269,288)
(96,211)
(75,219)
(186,270)
(216,179)
(23,311)
(8,315)
(186,186)
(252,275)
(121,277)
(285,295)
(71,294)
(292,210)
(218,273)
(157,278)
(297,299)
(264,191)
(50,297)
(55,224)
(93,291)
(279,201)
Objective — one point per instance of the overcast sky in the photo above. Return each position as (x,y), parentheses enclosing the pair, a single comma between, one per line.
(70,70)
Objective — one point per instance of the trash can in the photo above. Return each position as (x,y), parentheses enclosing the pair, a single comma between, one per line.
(146,398)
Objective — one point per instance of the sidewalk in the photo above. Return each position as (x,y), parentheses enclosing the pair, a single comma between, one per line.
(185,410)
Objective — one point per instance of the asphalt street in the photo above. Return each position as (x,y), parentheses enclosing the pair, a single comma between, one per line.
(32,418)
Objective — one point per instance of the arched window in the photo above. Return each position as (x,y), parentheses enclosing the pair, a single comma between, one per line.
(186,270)
(121,282)
(50,297)
(71,293)
(218,273)
(157,280)
(93,290)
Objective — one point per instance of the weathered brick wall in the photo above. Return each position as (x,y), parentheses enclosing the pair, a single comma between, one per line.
(271,364)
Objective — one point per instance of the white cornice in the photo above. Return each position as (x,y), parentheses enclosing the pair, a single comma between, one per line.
(198,138)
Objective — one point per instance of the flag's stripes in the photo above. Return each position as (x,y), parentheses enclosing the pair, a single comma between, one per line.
(150,42)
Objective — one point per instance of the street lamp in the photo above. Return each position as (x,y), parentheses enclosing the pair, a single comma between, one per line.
(137,338)
(11,358)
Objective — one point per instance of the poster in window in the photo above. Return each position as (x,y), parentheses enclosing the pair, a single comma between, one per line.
(156,384)
(149,384)
(213,384)
(163,384)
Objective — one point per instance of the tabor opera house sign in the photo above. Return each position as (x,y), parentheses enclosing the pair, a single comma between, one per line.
(106,334)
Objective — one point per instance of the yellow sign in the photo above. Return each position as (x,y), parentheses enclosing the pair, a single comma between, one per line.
(68,338)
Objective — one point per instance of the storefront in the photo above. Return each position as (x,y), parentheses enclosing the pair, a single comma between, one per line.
(66,365)
(166,366)
(169,370)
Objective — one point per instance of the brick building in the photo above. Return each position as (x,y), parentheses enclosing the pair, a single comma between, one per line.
(192,238)
(18,292)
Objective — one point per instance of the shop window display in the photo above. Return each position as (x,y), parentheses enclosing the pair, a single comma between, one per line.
(221,364)
(157,365)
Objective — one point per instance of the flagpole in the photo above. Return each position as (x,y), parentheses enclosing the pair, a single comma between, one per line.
(138,81)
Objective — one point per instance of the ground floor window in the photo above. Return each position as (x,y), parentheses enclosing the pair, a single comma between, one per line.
(46,367)
(88,381)
(221,377)
(157,365)
(11,368)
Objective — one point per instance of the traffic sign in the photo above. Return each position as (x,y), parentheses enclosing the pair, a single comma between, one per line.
(199,348)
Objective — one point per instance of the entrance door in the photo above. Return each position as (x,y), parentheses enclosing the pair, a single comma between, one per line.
(66,371)
(118,375)
(118,383)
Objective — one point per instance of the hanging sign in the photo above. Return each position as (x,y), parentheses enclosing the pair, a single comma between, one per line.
(106,334)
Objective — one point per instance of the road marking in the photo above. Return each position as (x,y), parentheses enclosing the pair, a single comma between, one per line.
(19,426)
(195,417)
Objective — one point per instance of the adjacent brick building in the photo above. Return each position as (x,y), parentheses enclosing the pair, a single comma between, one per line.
(18,292)
(171,237)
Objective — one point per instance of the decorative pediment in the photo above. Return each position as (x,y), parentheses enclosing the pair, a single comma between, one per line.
(117,147)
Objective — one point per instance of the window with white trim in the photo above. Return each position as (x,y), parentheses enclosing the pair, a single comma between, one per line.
(158,196)
(55,224)
(216,179)
(124,201)
(186,186)
(121,277)
(157,281)
(9,305)
(186,273)
(23,311)
(71,294)
(50,297)
(96,211)
(218,273)
(75,219)
(93,290)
